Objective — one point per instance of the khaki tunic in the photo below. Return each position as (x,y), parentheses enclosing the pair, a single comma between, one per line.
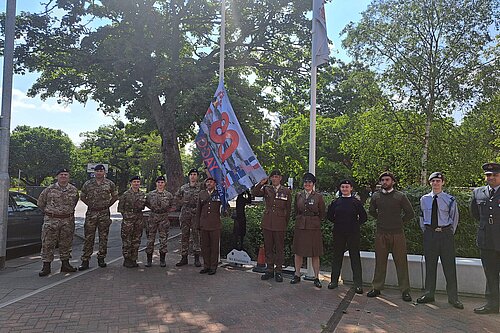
(208,220)
(187,198)
(160,204)
(130,206)
(309,212)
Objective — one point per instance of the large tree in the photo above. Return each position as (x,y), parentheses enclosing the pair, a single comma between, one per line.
(39,152)
(156,58)
(428,54)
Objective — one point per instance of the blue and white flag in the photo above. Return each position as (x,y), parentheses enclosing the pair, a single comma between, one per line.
(225,149)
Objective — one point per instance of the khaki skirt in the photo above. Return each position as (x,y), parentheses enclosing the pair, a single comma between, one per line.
(308,242)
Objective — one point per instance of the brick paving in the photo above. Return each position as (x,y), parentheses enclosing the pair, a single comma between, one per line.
(173,299)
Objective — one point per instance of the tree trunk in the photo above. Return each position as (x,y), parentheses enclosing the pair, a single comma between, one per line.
(170,147)
(425,150)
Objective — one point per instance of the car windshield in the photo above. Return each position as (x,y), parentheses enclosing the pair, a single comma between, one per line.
(24,202)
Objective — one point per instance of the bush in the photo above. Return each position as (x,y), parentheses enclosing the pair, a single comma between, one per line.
(465,237)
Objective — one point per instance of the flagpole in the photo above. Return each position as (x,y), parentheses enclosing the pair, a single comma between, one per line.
(222,40)
(312,130)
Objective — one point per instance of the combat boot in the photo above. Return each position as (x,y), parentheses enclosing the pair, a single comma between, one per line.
(149,261)
(134,263)
(66,267)
(128,263)
(84,265)
(45,269)
(162,260)
(101,262)
(184,261)
(197,262)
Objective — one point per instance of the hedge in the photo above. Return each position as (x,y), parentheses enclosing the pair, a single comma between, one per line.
(465,236)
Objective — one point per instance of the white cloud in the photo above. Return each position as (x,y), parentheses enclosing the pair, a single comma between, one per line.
(21,101)
(55,107)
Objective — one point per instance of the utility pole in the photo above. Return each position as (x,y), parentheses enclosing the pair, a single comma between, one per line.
(8,64)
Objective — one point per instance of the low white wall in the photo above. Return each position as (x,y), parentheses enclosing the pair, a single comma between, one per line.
(470,274)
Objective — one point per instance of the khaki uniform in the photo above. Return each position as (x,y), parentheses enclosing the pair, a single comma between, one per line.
(98,198)
(274,222)
(310,210)
(130,206)
(159,203)
(187,196)
(58,203)
(208,220)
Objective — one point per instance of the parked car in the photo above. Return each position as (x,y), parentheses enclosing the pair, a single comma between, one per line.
(24,221)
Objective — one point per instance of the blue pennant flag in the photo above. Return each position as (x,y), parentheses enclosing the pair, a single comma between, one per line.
(225,149)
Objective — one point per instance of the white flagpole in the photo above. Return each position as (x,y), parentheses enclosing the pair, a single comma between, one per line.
(222,40)
(312,129)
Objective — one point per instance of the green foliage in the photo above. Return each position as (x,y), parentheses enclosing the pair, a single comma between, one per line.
(39,152)
(465,236)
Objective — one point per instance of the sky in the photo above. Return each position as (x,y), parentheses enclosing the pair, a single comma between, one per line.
(76,118)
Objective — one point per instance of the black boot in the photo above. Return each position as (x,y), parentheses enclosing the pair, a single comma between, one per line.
(84,265)
(66,267)
(45,269)
(101,262)
(162,260)
(149,261)
(128,263)
(197,262)
(184,261)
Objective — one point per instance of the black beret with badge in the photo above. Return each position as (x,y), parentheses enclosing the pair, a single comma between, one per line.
(135,178)
(194,170)
(161,179)
(62,170)
(99,167)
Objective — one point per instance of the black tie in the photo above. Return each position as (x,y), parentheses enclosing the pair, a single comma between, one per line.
(434,215)
(492,193)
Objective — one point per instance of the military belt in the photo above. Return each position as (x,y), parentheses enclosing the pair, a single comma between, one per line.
(58,216)
(438,229)
(96,209)
(161,211)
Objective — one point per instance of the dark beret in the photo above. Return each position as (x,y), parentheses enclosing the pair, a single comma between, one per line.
(135,178)
(309,177)
(491,167)
(346,181)
(161,179)
(99,167)
(209,178)
(386,174)
(193,170)
(62,170)
(437,175)
(275,172)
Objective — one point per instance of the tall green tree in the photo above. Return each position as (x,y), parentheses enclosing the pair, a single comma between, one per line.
(155,58)
(39,152)
(428,54)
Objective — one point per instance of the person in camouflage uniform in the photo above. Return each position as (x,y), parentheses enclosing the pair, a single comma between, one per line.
(160,202)
(58,202)
(98,194)
(187,196)
(130,206)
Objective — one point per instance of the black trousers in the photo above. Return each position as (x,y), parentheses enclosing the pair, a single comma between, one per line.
(491,266)
(341,242)
(440,245)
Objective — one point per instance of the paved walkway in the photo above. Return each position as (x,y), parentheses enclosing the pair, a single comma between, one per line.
(172,299)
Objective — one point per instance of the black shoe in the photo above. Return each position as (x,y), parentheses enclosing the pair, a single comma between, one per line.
(205,270)
(296,279)
(406,296)
(425,299)
(278,277)
(486,309)
(182,262)
(358,290)
(373,293)
(128,263)
(101,262)
(457,304)
(333,285)
(317,283)
(267,276)
(84,265)
(212,271)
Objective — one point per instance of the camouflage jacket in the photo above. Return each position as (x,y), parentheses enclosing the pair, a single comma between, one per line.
(58,200)
(187,197)
(131,202)
(159,202)
(99,196)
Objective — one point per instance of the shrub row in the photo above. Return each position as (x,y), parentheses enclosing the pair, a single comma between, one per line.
(465,237)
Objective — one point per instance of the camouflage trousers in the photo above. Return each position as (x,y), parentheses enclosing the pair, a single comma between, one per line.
(131,233)
(189,229)
(57,232)
(161,224)
(99,221)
